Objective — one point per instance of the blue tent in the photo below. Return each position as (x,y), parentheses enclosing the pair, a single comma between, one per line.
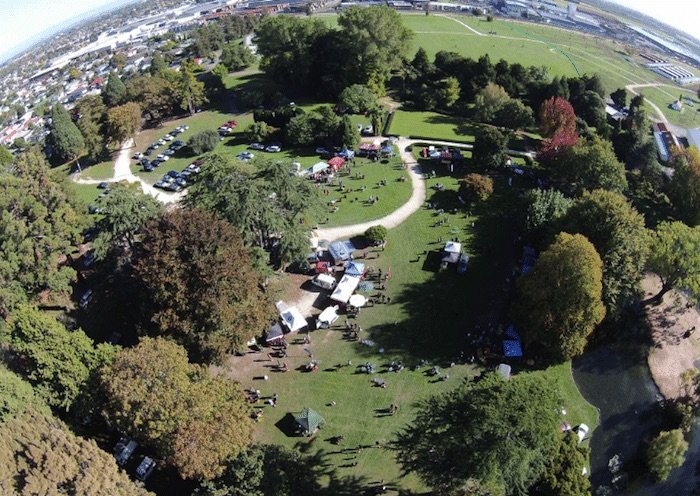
(355,269)
(341,250)
(512,348)
(511,333)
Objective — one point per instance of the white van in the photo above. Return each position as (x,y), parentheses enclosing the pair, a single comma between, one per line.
(325,281)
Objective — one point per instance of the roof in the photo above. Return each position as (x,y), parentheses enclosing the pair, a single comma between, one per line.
(336,162)
(309,420)
(293,319)
(341,250)
(329,315)
(346,287)
(274,333)
(355,269)
(453,247)
(316,168)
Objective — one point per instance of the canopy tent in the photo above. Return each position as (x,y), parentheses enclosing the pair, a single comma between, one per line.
(322,267)
(316,168)
(309,421)
(328,316)
(341,250)
(346,154)
(357,300)
(356,269)
(367,147)
(291,316)
(451,252)
(387,151)
(336,162)
(274,333)
(512,348)
(346,287)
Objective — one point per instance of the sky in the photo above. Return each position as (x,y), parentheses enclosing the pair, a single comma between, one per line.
(22,20)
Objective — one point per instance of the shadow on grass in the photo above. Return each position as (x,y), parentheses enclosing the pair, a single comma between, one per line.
(462,127)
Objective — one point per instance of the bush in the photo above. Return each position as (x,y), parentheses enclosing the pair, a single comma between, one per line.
(376,235)
(257,131)
(476,187)
(203,142)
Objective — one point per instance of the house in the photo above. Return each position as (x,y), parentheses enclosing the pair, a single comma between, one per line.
(665,141)
(345,288)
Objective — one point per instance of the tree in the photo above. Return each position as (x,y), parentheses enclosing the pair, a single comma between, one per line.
(590,164)
(376,235)
(194,421)
(666,452)
(236,56)
(123,122)
(350,134)
(204,141)
(489,148)
(448,92)
(564,472)
(490,430)
(265,470)
(6,157)
(619,235)
(357,99)
(41,227)
(124,212)
(674,255)
(58,362)
(66,139)
(220,72)
(115,91)
(17,396)
(198,284)
(91,123)
(476,187)
(513,114)
(257,132)
(553,149)
(684,189)
(488,102)
(158,65)
(73,73)
(556,114)
(559,303)
(619,98)
(190,89)
(545,208)
(41,455)
(156,95)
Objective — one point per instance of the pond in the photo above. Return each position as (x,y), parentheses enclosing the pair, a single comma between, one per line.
(615,378)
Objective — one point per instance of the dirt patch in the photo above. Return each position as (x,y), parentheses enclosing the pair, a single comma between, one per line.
(675,336)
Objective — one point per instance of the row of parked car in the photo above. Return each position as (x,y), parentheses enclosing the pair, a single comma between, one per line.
(271,148)
(176,181)
(175,145)
(123,451)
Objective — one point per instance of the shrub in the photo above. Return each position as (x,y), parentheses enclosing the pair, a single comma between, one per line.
(376,234)
(476,187)
(666,452)
(203,142)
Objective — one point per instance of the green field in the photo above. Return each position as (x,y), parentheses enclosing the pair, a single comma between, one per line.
(432,125)
(428,317)
(664,96)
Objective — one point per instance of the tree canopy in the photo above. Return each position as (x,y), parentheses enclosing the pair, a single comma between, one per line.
(674,255)
(66,139)
(204,141)
(559,303)
(199,287)
(92,125)
(666,452)
(684,189)
(236,56)
(545,207)
(357,99)
(115,91)
(376,235)
(502,433)
(191,91)
(556,114)
(489,148)
(17,396)
(563,475)
(123,122)
(196,422)
(476,187)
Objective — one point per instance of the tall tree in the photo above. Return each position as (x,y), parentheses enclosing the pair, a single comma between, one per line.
(490,148)
(156,95)
(665,453)
(559,302)
(57,361)
(545,208)
(350,134)
(619,98)
(684,189)
(564,474)
(236,56)
(17,396)
(198,284)
(556,114)
(488,102)
(490,430)
(6,157)
(617,231)
(66,139)
(357,99)
(41,455)
(191,90)
(123,122)
(674,255)
(124,212)
(158,65)
(115,91)
(194,421)
(448,92)
(92,125)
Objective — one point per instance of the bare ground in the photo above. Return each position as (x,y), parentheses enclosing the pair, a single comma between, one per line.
(673,351)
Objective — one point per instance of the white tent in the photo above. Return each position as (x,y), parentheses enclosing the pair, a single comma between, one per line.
(291,316)
(453,247)
(346,287)
(328,316)
(357,300)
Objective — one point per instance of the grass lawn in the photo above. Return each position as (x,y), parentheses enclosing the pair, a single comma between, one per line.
(432,125)
(86,194)
(102,170)
(663,97)
(430,314)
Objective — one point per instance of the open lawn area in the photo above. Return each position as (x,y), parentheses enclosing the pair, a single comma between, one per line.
(664,96)
(434,315)
(432,125)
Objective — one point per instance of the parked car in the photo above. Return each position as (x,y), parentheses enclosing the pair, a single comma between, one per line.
(124,449)
(185,127)
(245,156)
(174,187)
(186,173)
(257,146)
(462,264)
(148,168)
(322,151)
(273,148)
(169,152)
(581,432)
(148,151)
(103,185)
(160,142)
(367,130)
(137,156)
(163,158)
(325,281)
(194,168)
(145,468)
(156,162)
(167,137)
(178,143)
(86,298)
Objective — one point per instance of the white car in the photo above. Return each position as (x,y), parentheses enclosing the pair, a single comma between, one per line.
(138,156)
(145,468)
(582,432)
(163,157)
(367,130)
(160,142)
(167,137)
(257,146)
(273,149)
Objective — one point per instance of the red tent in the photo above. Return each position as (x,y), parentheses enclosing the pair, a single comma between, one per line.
(336,162)
(323,267)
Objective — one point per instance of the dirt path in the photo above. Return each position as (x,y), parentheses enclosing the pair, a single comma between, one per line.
(632,88)
(673,351)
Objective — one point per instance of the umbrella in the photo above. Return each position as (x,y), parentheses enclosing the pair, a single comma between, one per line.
(357,300)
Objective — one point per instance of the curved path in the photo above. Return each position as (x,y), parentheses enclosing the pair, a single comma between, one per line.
(632,88)
(122,172)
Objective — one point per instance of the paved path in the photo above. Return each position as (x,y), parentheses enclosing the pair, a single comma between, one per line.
(122,172)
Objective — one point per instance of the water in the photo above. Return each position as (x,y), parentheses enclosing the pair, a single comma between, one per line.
(615,378)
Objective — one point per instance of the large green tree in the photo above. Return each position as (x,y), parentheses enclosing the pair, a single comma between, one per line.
(92,119)
(196,422)
(491,430)
(57,361)
(66,139)
(545,208)
(124,212)
(199,287)
(38,228)
(17,396)
(684,189)
(204,141)
(490,148)
(559,303)
(674,255)
(564,473)
(40,455)
(666,452)
(156,95)
(236,56)
(191,90)
(123,122)
(357,99)
(617,231)
(114,92)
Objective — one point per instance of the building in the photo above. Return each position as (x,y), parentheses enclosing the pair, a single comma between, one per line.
(673,72)
(694,138)
(665,141)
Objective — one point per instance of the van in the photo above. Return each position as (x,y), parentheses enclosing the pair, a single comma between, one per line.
(325,281)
